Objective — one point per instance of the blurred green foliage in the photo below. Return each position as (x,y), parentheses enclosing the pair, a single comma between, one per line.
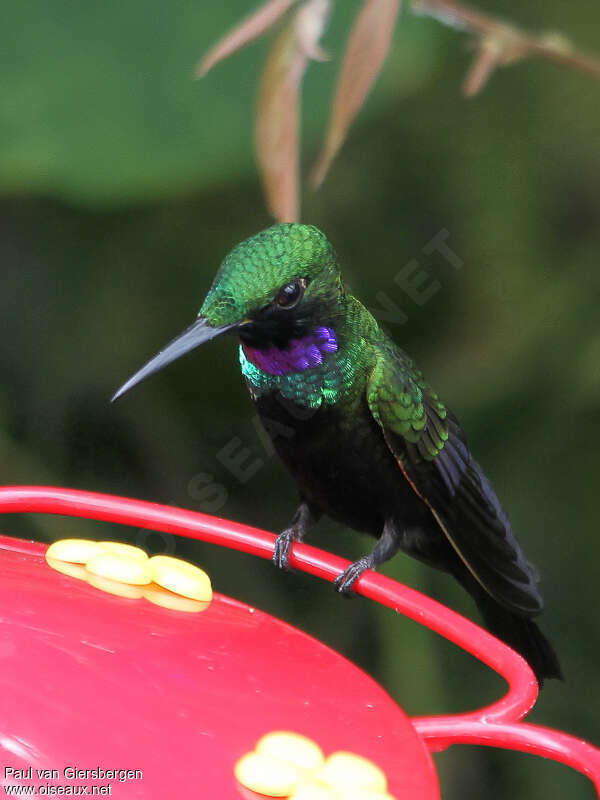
(124,183)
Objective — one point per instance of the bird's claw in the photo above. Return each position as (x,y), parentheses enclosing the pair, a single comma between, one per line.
(281,551)
(345,581)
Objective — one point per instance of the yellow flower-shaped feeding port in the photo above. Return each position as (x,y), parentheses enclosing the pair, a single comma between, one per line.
(299,750)
(267,775)
(125,570)
(117,587)
(120,567)
(75,551)
(314,790)
(67,568)
(288,764)
(122,549)
(181,577)
(347,771)
(163,597)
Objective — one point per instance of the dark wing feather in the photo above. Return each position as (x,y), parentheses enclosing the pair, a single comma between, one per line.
(431,451)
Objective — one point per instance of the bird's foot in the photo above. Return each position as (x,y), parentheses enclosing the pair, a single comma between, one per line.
(344,582)
(283,544)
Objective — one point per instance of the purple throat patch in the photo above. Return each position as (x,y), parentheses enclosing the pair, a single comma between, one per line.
(300,354)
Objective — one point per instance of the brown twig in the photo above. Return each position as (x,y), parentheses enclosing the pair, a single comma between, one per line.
(506,42)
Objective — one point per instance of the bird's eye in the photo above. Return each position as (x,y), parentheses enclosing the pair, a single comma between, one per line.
(290,294)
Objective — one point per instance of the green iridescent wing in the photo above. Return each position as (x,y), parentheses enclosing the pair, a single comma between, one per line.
(430,449)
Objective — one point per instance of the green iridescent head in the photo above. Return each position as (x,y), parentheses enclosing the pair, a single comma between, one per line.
(271,290)
(255,271)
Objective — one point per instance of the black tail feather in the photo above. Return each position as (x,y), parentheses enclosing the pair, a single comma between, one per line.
(520,633)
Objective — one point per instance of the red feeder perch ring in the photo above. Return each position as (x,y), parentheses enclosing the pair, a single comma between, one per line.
(498,724)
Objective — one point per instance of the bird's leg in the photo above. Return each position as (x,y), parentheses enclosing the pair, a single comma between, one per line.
(304,518)
(387,545)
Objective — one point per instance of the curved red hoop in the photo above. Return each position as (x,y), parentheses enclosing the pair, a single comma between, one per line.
(495,725)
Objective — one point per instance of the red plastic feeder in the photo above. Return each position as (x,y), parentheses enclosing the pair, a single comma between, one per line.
(93,683)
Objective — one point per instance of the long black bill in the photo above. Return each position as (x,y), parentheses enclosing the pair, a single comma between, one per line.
(195,335)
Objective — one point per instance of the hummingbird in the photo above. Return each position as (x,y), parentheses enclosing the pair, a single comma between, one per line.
(367,440)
